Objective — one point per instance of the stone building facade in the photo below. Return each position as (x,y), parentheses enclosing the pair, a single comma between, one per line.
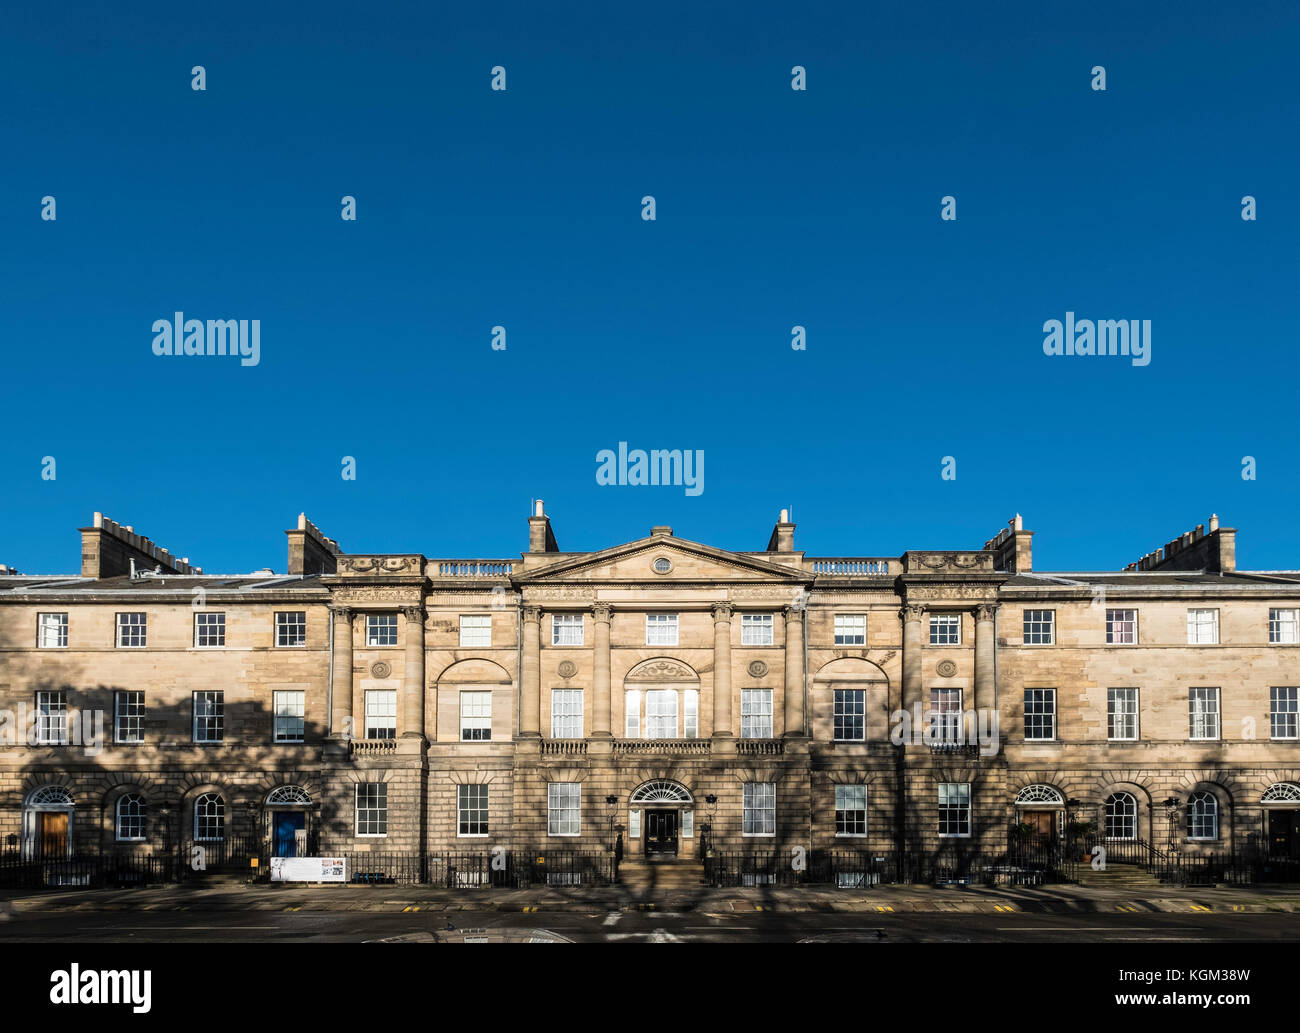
(660,691)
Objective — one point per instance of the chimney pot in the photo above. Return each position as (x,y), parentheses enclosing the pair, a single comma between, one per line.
(1214,521)
(539,508)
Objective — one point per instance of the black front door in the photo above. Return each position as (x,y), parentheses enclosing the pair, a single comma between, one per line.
(1284,835)
(661,833)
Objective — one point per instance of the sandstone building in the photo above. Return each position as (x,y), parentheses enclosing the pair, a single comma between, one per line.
(659,691)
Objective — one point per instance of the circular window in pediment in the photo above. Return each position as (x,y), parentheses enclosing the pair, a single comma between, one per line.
(662,565)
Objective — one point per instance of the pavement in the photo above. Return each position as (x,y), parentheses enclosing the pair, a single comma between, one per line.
(881,900)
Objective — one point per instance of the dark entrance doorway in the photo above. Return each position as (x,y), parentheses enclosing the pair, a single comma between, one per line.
(661,834)
(285,828)
(1042,828)
(52,834)
(1284,834)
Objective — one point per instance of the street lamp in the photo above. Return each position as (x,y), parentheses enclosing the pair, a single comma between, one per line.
(1171,817)
(611,802)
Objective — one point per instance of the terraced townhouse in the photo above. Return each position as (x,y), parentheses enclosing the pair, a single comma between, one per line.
(661,695)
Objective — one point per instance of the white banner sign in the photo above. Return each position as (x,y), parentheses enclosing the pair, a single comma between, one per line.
(309,869)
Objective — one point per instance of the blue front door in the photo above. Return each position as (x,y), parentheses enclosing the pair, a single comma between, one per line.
(287,823)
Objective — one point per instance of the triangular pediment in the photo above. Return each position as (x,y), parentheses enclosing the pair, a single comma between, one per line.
(688,561)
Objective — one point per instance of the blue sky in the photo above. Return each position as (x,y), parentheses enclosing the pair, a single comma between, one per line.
(522,209)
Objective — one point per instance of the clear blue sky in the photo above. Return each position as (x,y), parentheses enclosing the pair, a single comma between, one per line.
(775,208)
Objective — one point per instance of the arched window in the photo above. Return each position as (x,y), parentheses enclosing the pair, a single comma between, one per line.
(1040,794)
(294,795)
(661,790)
(209,818)
(130,818)
(1281,792)
(1121,816)
(1202,816)
(50,796)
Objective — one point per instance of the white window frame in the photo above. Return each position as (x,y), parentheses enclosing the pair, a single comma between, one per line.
(209,629)
(1213,812)
(1206,694)
(850,629)
(632,714)
(757,629)
(130,629)
(475,631)
(661,629)
(214,811)
(479,805)
(944,626)
(124,702)
(214,701)
(564,809)
(1117,634)
(756,714)
(51,717)
(1280,619)
(1289,697)
(658,715)
(846,803)
(758,810)
(1047,705)
(289,710)
(291,621)
(1114,812)
(963,804)
(946,713)
(141,816)
(634,823)
(381,705)
(59,626)
(837,712)
(1202,621)
(380,627)
(690,713)
(476,714)
(566,713)
(375,809)
(1114,712)
(1034,625)
(566,629)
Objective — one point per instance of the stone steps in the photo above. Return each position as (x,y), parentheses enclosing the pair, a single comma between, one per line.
(661,875)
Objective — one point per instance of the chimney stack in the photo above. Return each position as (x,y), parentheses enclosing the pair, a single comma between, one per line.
(782,539)
(540,537)
(310,552)
(1013,547)
(108,549)
(1213,551)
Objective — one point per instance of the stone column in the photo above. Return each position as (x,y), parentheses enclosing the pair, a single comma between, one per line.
(794,680)
(413,684)
(601,701)
(722,671)
(985,643)
(530,674)
(341,716)
(913,627)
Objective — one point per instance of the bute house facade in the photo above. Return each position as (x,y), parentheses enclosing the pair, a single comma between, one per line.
(656,693)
